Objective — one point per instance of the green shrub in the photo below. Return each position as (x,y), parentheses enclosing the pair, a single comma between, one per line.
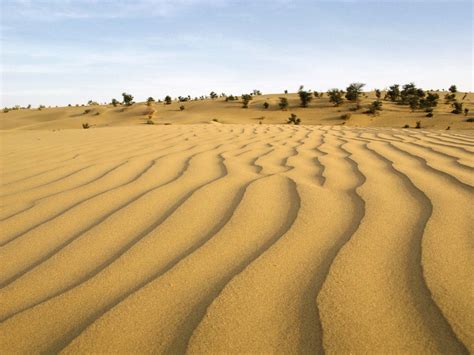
(406,126)
(149,101)
(354,91)
(283,104)
(182,107)
(470,119)
(213,95)
(293,119)
(466,111)
(86,125)
(346,116)
(418,124)
(374,107)
(168,100)
(429,114)
(457,107)
(127,99)
(150,121)
(266,105)
(305,97)
(246,98)
(335,96)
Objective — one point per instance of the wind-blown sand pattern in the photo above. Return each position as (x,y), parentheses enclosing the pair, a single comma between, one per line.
(237,238)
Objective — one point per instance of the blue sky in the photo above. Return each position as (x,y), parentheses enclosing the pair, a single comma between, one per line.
(56,52)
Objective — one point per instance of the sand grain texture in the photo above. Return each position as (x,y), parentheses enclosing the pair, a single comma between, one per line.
(208,238)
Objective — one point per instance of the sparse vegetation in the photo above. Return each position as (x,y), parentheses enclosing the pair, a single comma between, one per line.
(393,93)
(283,104)
(266,105)
(375,107)
(181,108)
(213,95)
(246,98)
(168,100)
(466,111)
(346,116)
(457,107)
(150,121)
(336,96)
(149,101)
(127,99)
(86,125)
(293,119)
(418,124)
(92,103)
(406,126)
(305,97)
(354,91)
(378,93)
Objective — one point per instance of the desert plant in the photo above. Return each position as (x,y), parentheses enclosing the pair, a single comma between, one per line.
(430,101)
(346,116)
(92,103)
(97,114)
(393,93)
(182,107)
(266,105)
(257,93)
(293,119)
(283,104)
(213,95)
(448,128)
(86,125)
(215,120)
(316,94)
(374,107)
(40,107)
(470,119)
(354,91)
(453,89)
(457,107)
(418,124)
(305,97)
(6,109)
(378,93)
(406,126)
(429,114)
(87,111)
(149,101)
(466,111)
(168,100)
(246,98)
(449,98)
(230,98)
(149,121)
(335,96)
(286,91)
(127,99)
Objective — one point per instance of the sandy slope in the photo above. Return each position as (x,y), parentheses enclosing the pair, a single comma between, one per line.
(237,238)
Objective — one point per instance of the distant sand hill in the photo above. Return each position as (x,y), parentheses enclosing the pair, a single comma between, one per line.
(231,238)
(319,112)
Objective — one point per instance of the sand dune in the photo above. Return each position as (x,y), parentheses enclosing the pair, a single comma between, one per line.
(208,238)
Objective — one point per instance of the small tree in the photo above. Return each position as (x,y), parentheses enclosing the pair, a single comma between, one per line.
(374,107)
(413,102)
(418,124)
(266,105)
(168,100)
(457,107)
(336,96)
(246,98)
(431,100)
(378,93)
(115,102)
(149,101)
(293,119)
(354,91)
(127,99)
(213,95)
(257,93)
(283,104)
(393,93)
(305,97)
(453,89)
(181,107)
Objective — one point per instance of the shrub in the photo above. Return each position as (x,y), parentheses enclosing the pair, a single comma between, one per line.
(40,107)
(354,91)
(266,105)
(316,94)
(429,114)
(213,95)
(168,100)
(418,124)
(346,116)
(28,107)
(374,107)
(246,98)
(150,121)
(453,89)
(87,111)
(457,107)
(257,92)
(450,98)
(149,101)
(215,120)
(286,91)
(127,99)
(393,93)
(97,114)
(293,119)
(378,93)
(181,107)
(470,119)
(92,103)
(430,101)
(6,109)
(283,104)
(406,126)
(448,128)
(335,96)
(354,108)
(230,98)
(466,111)
(86,125)
(305,97)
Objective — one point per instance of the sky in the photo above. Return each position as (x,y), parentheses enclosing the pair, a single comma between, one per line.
(59,52)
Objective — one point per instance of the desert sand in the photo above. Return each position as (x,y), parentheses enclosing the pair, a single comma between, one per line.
(231,238)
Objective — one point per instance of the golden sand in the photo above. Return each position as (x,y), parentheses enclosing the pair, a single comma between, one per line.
(207,238)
